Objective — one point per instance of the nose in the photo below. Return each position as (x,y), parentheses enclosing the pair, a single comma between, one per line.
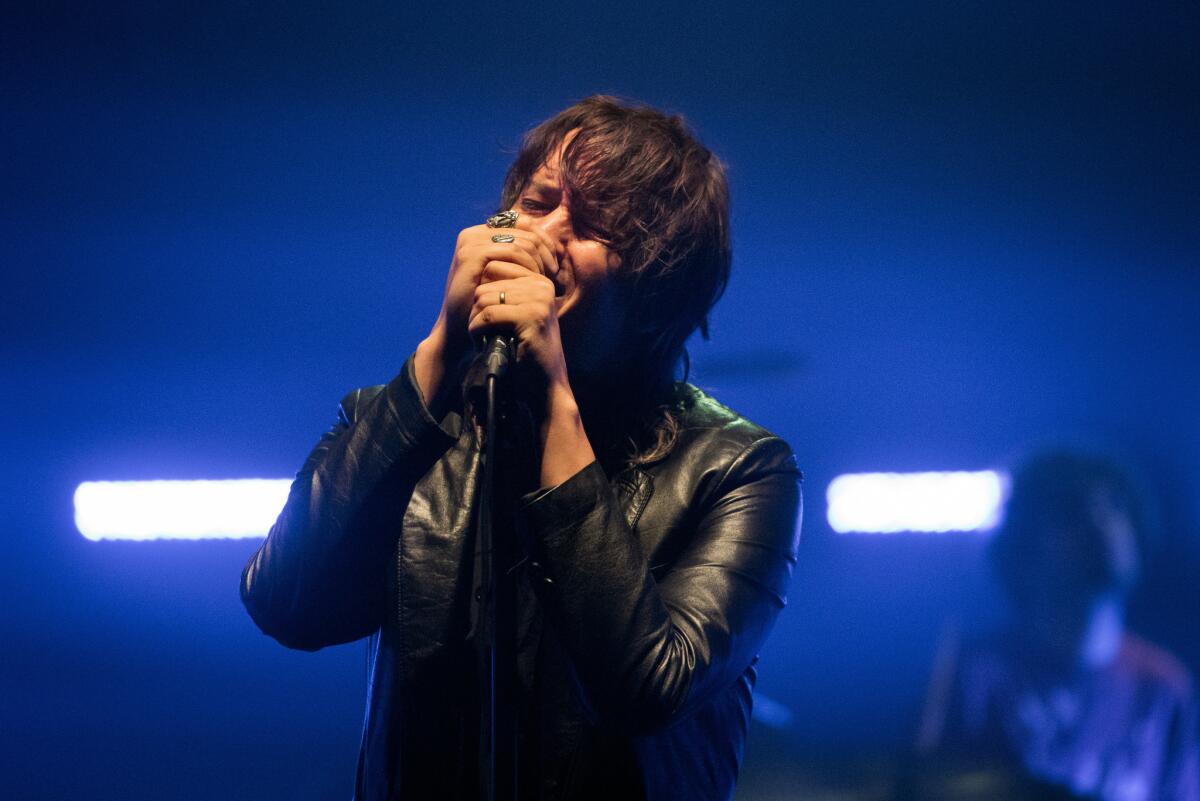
(556,222)
(557,226)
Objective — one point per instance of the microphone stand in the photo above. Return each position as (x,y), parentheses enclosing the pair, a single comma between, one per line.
(497,720)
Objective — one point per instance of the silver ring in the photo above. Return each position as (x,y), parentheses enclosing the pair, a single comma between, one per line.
(503,238)
(501,297)
(505,219)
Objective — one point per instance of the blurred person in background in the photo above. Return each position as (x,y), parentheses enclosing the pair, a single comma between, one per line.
(1063,693)
(648,531)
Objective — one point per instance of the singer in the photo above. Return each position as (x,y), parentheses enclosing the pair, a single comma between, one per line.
(649,532)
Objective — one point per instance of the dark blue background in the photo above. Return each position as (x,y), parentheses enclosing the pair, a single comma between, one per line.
(960,229)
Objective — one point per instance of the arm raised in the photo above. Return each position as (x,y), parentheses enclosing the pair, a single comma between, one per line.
(320,577)
(646,652)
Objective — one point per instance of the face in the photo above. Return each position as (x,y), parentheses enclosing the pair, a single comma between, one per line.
(1075,608)
(590,312)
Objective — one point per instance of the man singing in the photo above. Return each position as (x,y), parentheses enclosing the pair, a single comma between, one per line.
(650,532)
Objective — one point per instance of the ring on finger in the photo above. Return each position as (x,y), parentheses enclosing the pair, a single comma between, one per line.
(501,297)
(505,219)
(503,238)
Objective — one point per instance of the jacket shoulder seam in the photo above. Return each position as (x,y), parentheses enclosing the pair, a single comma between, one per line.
(354,399)
(740,458)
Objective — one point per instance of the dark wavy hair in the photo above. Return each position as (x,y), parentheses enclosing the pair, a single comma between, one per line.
(643,185)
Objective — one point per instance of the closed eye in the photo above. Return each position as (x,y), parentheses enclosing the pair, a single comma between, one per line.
(529,204)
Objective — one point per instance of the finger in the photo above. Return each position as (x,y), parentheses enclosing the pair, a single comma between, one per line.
(520,288)
(549,261)
(499,293)
(537,243)
(496,319)
(502,271)
(522,229)
(518,252)
(544,244)
(512,287)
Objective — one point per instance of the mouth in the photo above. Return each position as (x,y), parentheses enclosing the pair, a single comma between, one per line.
(562,295)
(561,282)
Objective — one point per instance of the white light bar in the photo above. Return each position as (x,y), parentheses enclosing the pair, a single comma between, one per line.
(178,510)
(885,503)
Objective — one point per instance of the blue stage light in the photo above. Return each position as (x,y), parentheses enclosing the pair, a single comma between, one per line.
(190,510)
(885,503)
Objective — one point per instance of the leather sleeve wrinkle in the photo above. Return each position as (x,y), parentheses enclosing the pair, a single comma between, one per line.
(746,575)
(570,500)
(646,653)
(406,402)
(788,555)
(320,576)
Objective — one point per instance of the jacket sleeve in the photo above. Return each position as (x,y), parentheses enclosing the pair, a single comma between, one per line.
(647,652)
(320,577)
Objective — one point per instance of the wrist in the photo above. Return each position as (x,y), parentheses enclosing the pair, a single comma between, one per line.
(565,446)
(434,366)
(440,346)
(560,402)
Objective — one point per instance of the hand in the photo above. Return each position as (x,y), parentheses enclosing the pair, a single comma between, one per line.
(476,259)
(528,313)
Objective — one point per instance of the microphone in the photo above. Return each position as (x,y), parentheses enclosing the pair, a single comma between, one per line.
(491,362)
(497,353)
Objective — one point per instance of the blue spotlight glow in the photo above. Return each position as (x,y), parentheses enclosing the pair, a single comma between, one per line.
(769,712)
(180,510)
(885,503)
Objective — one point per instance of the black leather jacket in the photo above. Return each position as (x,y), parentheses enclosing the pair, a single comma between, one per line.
(647,596)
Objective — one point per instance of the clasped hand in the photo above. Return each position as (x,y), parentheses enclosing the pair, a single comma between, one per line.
(480,271)
(482,268)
